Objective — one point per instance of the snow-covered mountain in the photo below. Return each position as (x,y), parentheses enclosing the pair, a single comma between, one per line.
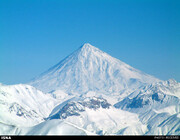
(90,92)
(90,69)
(157,105)
(76,105)
(24,105)
(96,115)
(151,110)
(153,96)
(49,127)
(24,110)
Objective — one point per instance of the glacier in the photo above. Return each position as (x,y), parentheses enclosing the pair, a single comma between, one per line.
(91,93)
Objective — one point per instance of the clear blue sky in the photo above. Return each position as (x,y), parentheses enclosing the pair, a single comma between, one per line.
(37,34)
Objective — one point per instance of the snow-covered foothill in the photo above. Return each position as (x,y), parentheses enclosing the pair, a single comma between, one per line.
(49,127)
(24,105)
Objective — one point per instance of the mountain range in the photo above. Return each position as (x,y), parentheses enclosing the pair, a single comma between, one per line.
(91,93)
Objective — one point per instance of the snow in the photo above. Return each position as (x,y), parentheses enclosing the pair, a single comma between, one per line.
(105,121)
(170,109)
(54,127)
(50,127)
(157,105)
(24,105)
(59,94)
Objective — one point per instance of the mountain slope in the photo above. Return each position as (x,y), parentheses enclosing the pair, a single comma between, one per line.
(98,116)
(157,105)
(24,105)
(50,127)
(154,96)
(90,69)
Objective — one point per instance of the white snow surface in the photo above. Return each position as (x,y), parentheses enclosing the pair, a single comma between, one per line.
(158,106)
(24,105)
(50,127)
(108,121)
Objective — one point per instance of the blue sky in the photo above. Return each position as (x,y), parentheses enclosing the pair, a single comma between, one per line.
(37,34)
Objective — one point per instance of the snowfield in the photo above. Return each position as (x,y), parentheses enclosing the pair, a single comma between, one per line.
(91,93)
(50,127)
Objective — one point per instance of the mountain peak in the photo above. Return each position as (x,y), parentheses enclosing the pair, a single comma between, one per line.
(85,48)
(88,51)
